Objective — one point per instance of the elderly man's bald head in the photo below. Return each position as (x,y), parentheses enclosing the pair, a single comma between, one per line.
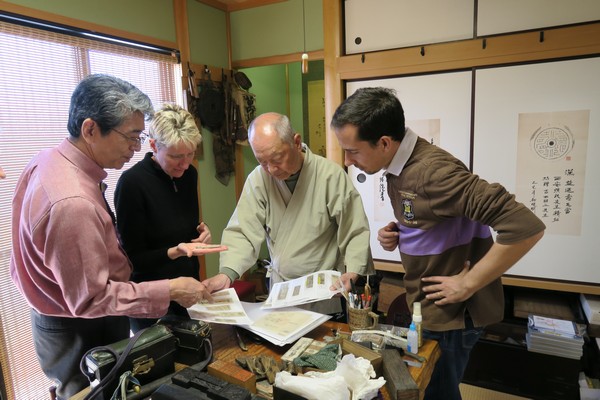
(275,145)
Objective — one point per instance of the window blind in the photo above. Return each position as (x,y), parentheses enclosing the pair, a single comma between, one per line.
(40,70)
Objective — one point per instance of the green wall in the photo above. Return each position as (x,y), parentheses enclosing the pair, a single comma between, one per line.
(207,28)
(276,29)
(154,18)
(271,85)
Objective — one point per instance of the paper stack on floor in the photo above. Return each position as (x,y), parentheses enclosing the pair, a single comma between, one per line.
(555,337)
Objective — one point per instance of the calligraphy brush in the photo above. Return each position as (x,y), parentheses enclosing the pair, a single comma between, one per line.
(367,288)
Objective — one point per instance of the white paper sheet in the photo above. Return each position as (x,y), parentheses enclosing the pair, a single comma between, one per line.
(281,326)
(225,309)
(306,289)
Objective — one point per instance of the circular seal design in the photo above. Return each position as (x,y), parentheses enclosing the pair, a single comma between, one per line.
(552,143)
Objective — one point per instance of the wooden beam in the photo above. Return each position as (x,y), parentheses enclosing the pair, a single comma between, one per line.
(334,92)
(182,33)
(183,43)
(560,286)
(278,59)
(215,4)
(557,43)
(398,380)
(509,280)
(215,72)
(236,5)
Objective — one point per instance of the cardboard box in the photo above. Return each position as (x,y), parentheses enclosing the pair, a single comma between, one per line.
(350,347)
(389,289)
(591,307)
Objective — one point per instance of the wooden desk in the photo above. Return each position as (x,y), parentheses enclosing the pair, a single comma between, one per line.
(225,347)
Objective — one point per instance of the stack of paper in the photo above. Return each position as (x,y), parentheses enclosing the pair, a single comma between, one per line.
(306,289)
(554,336)
(226,308)
(283,326)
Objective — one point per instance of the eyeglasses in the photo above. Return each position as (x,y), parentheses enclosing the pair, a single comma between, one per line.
(137,141)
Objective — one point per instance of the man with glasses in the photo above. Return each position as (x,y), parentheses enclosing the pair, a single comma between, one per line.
(137,141)
(66,259)
(156,202)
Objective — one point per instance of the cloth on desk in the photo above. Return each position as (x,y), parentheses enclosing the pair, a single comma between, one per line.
(265,366)
(325,359)
(311,388)
(355,373)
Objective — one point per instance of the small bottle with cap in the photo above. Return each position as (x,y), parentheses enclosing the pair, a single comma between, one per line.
(412,339)
(417,318)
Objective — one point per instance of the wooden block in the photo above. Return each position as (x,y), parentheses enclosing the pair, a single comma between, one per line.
(297,349)
(233,373)
(358,350)
(399,382)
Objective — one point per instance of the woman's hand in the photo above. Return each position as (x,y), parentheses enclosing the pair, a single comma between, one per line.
(198,249)
(204,235)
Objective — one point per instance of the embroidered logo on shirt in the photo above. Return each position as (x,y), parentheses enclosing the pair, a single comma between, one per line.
(407,209)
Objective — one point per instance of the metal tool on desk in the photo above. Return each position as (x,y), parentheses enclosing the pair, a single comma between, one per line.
(240,341)
(415,356)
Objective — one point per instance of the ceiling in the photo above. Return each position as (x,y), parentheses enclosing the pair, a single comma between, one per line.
(234,5)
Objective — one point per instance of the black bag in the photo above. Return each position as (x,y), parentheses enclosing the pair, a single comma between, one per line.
(211,104)
(147,356)
(193,339)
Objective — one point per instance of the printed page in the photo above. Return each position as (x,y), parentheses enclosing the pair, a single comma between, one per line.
(282,327)
(226,308)
(306,289)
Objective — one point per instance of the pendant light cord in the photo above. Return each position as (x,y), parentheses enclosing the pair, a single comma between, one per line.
(304,25)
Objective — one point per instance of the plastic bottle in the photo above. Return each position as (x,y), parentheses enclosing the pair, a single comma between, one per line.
(412,339)
(417,318)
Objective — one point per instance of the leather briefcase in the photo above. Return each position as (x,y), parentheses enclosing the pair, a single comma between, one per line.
(151,357)
(193,339)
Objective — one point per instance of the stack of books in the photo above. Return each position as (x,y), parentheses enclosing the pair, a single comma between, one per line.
(555,337)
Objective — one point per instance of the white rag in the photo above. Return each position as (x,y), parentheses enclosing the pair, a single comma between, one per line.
(350,380)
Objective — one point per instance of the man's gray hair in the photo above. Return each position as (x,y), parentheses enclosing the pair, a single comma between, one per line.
(108,101)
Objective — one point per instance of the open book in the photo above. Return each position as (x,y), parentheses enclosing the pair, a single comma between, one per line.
(279,327)
(283,326)
(306,289)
